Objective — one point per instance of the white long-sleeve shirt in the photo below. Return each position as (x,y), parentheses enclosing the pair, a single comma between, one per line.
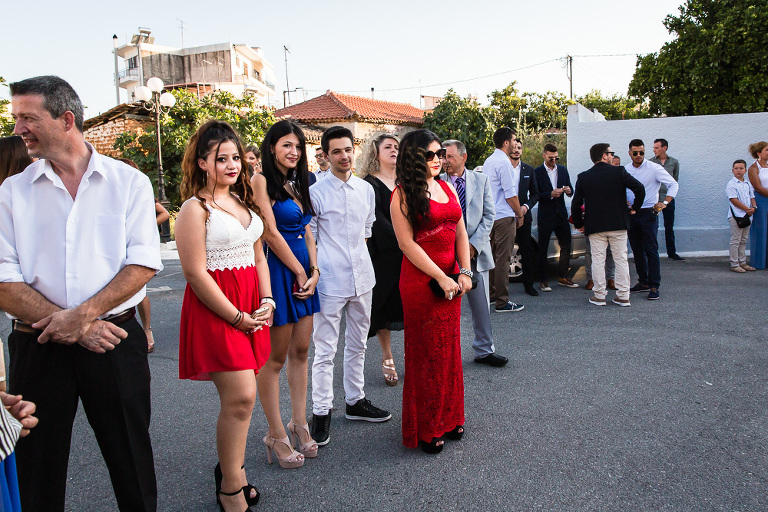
(651,175)
(344,215)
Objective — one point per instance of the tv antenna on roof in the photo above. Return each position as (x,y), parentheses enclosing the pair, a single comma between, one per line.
(181,26)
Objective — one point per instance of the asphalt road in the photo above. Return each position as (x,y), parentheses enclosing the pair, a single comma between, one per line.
(661,406)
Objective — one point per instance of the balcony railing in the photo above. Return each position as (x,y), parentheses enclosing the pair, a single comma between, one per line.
(128,72)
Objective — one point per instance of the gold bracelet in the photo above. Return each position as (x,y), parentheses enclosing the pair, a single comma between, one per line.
(312,270)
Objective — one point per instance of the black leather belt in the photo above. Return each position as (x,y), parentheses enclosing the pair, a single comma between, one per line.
(117,319)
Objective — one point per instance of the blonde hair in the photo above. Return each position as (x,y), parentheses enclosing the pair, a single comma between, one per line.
(369,161)
(757,147)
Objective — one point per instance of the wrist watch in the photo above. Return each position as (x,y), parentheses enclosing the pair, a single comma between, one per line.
(665,202)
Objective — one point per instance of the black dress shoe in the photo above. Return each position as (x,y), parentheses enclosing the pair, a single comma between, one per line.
(530,290)
(676,257)
(492,360)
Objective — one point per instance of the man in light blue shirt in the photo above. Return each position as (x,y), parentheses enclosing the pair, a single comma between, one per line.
(498,168)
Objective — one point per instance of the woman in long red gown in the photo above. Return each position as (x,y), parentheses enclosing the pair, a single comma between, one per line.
(427,219)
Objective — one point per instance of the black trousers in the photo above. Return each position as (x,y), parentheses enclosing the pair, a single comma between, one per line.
(643,238)
(669,230)
(562,230)
(527,252)
(114,389)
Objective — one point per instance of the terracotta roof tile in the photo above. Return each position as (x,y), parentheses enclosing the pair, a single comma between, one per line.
(333,106)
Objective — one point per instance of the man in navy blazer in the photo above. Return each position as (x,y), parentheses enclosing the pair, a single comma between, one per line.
(553,182)
(479,213)
(528,195)
(603,192)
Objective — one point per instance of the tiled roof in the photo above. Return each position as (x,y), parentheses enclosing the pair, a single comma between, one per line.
(122,110)
(333,106)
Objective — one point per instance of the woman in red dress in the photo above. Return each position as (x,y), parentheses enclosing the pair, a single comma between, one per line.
(427,219)
(227,306)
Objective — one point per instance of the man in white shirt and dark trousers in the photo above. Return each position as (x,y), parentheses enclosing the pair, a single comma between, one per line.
(344,213)
(498,168)
(476,199)
(78,243)
(644,225)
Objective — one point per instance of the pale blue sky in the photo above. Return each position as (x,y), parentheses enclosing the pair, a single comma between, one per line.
(346,46)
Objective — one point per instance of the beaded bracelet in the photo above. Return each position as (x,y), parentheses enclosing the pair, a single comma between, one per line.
(268,300)
(466,272)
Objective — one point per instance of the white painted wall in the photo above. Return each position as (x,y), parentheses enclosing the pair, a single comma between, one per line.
(706,146)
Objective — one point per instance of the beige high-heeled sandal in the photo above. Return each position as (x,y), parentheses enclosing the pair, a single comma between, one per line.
(294,460)
(390,372)
(309,449)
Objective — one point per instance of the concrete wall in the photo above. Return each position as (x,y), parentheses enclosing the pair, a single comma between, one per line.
(706,146)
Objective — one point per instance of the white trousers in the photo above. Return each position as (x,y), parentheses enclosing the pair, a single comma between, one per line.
(599,243)
(326,337)
(737,247)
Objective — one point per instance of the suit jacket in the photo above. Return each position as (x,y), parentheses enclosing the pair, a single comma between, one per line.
(480,214)
(603,192)
(551,208)
(528,190)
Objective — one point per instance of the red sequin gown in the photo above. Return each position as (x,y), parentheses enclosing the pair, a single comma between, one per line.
(433,389)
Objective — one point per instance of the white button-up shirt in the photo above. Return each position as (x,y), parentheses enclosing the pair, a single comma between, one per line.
(68,250)
(498,168)
(552,173)
(651,175)
(344,215)
(741,190)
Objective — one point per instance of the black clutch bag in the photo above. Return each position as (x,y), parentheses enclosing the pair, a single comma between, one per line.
(435,286)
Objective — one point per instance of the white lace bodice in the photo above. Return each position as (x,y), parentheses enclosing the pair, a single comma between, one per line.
(228,245)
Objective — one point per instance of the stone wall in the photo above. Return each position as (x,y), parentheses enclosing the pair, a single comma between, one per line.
(103,136)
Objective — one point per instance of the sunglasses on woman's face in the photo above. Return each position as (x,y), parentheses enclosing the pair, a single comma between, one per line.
(430,155)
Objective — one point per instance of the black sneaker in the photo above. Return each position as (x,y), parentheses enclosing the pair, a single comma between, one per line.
(364,410)
(640,287)
(653,294)
(321,428)
(675,257)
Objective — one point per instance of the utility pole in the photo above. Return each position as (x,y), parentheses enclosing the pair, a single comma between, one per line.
(287,86)
(117,71)
(569,71)
(181,26)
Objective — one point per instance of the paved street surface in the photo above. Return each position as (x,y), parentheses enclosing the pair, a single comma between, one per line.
(661,406)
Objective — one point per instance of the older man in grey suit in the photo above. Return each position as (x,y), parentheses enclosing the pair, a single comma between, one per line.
(476,200)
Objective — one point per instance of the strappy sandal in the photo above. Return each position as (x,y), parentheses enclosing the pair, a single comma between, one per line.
(293,460)
(432,447)
(248,489)
(308,449)
(390,372)
(455,434)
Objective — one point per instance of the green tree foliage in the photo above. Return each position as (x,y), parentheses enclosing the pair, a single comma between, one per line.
(6,122)
(715,64)
(466,120)
(529,112)
(177,126)
(614,107)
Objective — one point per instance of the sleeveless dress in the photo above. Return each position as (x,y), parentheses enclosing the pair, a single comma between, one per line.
(433,389)
(387,258)
(207,343)
(758,232)
(292,224)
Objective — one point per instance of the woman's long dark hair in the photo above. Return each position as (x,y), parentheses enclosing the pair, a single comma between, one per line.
(209,138)
(412,175)
(14,157)
(300,175)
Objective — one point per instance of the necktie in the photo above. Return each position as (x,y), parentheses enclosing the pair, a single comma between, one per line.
(462,196)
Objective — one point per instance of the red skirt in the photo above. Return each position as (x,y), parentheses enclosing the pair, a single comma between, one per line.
(207,343)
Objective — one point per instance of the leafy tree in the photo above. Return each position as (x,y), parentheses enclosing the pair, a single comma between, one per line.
(466,120)
(509,108)
(715,64)
(614,107)
(178,125)
(6,123)
(529,112)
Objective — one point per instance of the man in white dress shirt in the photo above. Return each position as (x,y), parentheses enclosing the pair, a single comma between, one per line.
(498,168)
(78,242)
(344,213)
(644,225)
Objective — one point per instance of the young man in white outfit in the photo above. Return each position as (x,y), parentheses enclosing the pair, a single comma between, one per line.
(344,213)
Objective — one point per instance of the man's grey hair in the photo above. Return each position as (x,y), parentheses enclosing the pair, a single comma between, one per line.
(460,147)
(58,96)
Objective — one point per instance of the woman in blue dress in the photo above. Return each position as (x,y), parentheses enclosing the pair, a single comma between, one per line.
(282,193)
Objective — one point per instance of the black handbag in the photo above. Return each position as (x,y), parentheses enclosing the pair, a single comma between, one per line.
(439,291)
(742,222)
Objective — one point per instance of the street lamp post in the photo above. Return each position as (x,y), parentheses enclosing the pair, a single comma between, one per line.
(150,98)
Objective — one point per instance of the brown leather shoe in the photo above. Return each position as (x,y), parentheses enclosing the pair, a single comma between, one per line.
(590,285)
(564,281)
(611,284)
